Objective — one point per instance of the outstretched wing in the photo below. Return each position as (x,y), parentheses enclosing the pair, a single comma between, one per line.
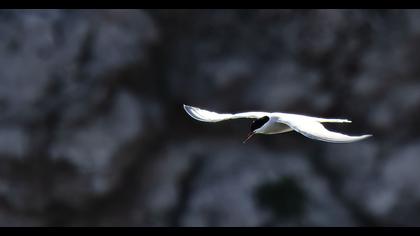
(210,116)
(312,128)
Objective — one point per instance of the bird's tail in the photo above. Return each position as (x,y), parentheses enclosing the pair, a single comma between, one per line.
(322,120)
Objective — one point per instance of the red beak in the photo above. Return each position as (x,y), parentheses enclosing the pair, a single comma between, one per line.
(249,136)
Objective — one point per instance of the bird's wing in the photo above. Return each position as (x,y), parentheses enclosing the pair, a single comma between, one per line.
(210,116)
(311,128)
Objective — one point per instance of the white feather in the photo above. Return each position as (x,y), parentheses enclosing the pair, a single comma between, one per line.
(308,126)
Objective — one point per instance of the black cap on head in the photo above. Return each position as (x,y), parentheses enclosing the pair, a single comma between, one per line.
(258,123)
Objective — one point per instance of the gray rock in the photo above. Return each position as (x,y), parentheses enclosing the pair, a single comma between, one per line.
(12,219)
(210,184)
(64,124)
(400,191)
(14,142)
(52,56)
(94,150)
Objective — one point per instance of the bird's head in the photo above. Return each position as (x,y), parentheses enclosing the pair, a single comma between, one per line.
(255,125)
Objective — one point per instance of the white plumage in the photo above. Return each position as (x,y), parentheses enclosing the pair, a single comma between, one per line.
(276,122)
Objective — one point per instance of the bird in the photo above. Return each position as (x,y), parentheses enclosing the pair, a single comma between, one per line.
(277,123)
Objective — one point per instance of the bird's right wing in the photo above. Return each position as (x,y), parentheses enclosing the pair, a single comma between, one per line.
(312,128)
(210,116)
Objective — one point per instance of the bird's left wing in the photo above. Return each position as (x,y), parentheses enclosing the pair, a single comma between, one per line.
(210,116)
(311,128)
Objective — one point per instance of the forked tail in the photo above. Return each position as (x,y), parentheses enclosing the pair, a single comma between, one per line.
(322,120)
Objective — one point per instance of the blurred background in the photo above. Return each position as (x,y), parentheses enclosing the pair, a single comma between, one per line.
(93,133)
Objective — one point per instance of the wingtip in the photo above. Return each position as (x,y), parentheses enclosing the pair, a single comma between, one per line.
(191,111)
(186,107)
(366,136)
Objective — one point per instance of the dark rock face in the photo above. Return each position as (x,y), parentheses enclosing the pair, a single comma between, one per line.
(92,130)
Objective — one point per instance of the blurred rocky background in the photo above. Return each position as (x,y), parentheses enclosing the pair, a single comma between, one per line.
(93,133)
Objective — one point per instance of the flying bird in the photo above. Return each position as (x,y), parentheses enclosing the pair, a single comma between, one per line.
(276,123)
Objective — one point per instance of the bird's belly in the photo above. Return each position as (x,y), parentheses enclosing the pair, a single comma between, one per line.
(277,128)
